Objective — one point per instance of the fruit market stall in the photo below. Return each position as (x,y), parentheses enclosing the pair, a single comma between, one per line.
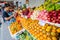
(42,23)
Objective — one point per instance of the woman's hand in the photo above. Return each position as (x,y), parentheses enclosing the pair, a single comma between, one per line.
(15,15)
(8,18)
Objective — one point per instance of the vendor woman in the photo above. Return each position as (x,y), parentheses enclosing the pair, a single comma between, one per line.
(7,15)
(8,18)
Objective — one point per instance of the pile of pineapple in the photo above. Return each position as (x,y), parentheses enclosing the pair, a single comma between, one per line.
(47,32)
(15,27)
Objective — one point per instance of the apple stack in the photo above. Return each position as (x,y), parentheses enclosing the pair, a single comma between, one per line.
(54,16)
(42,15)
(51,16)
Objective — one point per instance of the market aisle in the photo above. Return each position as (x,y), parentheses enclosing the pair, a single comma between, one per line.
(0,22)
(5,33)
(0,32)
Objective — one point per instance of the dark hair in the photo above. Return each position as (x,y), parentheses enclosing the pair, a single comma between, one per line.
(7,5)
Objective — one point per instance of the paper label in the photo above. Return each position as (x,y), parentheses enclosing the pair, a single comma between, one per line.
(42,22)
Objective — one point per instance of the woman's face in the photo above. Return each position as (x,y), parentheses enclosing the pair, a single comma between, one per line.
(7,8)
(11,9)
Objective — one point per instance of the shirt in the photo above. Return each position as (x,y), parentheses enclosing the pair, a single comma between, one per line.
(5,14)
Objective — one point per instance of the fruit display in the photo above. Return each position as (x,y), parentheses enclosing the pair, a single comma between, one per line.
(15,27)
(29,20)
(47,32)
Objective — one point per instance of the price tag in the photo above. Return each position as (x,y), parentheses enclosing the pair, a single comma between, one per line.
(22,16)
(26,17)
(42,22)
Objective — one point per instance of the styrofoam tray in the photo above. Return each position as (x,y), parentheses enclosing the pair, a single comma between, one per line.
(56,24)
(14,35)
(42,22)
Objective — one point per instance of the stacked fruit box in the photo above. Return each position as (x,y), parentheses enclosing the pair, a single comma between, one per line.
(15,28)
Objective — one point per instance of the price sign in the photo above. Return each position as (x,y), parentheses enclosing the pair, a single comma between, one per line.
(42,22)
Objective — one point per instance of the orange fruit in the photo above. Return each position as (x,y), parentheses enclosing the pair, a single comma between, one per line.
(54,38)
(58,30)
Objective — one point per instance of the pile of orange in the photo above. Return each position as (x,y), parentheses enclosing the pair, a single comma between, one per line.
(15,27)
(47,32)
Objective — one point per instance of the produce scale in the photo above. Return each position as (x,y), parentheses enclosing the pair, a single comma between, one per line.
(41,24)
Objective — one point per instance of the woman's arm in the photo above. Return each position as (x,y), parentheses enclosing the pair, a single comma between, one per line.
(8,18)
